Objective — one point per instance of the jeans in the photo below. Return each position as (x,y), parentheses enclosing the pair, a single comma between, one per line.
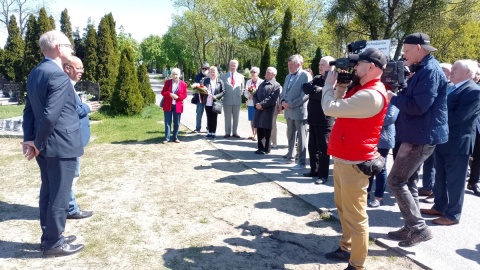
(200,108)
(381,177)
(72,205)
(168,123)
(428,178)
(403,186)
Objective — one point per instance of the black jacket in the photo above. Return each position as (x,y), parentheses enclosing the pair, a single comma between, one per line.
(316,116)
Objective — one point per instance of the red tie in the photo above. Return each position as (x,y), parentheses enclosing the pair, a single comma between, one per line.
(233,81)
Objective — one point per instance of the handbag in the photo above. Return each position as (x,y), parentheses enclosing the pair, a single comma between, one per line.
(372,167)
(217,106)
(195,98)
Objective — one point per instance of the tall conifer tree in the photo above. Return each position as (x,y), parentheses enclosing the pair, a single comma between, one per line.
(286,48)
(66,25)
(265,61)
(106,73)
(91,58)
(315,61)
(126,98)
(53,25)
(144,85)
(32,54)
(14,49)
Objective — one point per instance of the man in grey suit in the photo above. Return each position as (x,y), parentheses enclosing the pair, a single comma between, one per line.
(294,102)
(234,87)
(51,133)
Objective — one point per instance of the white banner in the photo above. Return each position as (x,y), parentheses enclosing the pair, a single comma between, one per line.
(382,45)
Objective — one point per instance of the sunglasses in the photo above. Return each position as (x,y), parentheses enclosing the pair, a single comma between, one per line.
(204,68)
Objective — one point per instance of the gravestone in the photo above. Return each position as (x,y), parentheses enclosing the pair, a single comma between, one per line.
(10,89)
(89,88)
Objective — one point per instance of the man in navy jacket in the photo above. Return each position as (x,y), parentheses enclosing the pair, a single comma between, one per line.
(51,133)
(420,126)
(451,158)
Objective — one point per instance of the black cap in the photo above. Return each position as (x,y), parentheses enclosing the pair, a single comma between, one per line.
(372,55)
(421,39)
(205,65)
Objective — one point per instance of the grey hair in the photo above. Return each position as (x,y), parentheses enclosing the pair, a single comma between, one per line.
(50,39)
(233,61)
(296,58)
(256,69)
(176,70)
(327,58)
(272,69)
(470,65)
(446,65)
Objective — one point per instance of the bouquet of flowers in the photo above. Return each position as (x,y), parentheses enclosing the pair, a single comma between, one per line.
(252,89)
(85,97)
(199,88)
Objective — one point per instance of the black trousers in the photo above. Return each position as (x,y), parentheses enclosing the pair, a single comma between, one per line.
(263,133)
(57,177)
(475,162)
(317,149)
(211,119)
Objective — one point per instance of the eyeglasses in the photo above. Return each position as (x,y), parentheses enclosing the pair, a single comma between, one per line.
(66,45)
(204,68)
(79,69)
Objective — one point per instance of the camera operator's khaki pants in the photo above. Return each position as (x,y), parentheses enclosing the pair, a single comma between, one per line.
(350,186)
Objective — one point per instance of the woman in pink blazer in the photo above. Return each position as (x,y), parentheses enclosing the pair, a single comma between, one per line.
(174,92)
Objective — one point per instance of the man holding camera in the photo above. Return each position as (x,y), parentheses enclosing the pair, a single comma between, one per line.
(319,124)
(353,143)
(421,124)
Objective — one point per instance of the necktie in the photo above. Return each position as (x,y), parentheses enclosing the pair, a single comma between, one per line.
(254,84)
(450,90)
(233,80)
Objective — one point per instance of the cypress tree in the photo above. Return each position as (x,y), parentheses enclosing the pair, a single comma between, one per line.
(66,25)
(106,73)
(127,98)
(266,59)
(53,25)
(14,49)
(286,48)
(115,60)
(32,54)
(315,61)
(44,23)
(79,44)
(144,85)
(91,58)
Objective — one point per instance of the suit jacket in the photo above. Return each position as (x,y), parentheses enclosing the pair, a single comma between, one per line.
(463,109)
(267,96)
(316,116)
(181,93)
(295,97)
(219,90)
(83,110)
(233,93)
(50,118)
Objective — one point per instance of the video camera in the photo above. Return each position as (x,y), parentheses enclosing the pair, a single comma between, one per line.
(394,75)
(346,64)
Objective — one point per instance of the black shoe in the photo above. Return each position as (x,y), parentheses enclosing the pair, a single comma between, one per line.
(208,136)
(400,235)
(350,267)
(320,181)
(63,250)
(338,255)
(474,188)
(213,137)
(80,214)
(310,174)
(258,152)
(67,240)
(416,237)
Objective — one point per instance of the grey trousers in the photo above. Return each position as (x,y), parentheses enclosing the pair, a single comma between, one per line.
(297,128)
(229,112)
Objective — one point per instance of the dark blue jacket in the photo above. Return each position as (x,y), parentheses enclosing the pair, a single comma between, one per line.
(423,106)
(387,136)
(82,111)
(463,109)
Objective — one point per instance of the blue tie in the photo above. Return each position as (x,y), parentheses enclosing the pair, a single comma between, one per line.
(450,89)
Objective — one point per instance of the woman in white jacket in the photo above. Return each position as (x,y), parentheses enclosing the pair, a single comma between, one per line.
(254,82)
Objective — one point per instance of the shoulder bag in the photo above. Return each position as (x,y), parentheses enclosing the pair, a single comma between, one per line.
(217,106)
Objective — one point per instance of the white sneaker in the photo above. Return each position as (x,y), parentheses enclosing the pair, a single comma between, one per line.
(299,167)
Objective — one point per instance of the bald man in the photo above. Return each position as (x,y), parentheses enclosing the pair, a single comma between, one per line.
(74,70)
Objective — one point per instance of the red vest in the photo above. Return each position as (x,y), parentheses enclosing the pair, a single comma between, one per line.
(356,139)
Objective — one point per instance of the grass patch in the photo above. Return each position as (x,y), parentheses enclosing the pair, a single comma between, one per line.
(128,129)
(11,111)
(281,118)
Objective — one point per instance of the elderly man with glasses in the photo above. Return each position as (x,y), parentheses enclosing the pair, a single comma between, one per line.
(197,97)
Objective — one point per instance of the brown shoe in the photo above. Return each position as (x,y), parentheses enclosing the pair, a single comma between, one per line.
(226,136)
(236,136)
(431,212)
(424,192)
(444,221)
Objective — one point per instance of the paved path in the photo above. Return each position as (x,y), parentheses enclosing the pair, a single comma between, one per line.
(454,247)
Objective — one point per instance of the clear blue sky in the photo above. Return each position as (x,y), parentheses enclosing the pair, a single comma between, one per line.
(141,18)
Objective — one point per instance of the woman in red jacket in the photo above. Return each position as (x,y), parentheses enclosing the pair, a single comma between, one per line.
(174,92)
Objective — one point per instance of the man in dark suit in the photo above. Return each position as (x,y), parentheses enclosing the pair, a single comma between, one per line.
(51,133)
(451,158)
(265,100)
(475,163)
(74,70)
